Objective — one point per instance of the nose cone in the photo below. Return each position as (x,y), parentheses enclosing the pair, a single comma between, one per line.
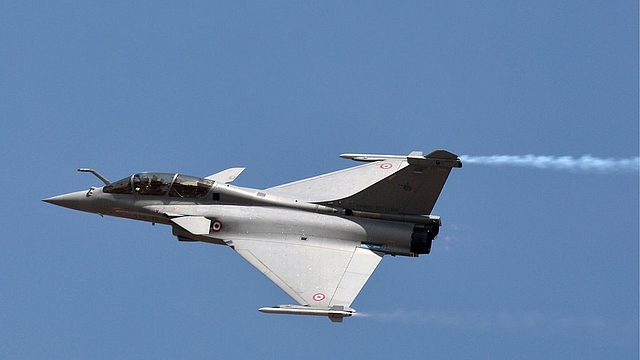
(79,200)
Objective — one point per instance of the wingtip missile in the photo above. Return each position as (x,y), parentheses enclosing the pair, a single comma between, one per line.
(369,157)
(335,313)
(435,158)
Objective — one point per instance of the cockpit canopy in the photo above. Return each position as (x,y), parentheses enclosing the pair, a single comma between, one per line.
(160,184)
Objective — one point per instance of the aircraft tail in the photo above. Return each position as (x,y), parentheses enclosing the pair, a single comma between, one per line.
(389,184)
(412,190)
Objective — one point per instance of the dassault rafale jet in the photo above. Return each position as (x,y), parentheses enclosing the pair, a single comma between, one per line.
(318,239)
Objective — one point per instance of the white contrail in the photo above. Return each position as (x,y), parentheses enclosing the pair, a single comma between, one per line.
(590,328)
(585,163)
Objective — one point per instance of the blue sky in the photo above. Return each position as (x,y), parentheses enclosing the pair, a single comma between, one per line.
(530,263)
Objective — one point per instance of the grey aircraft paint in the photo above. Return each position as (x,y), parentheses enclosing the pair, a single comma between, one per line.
(318,239)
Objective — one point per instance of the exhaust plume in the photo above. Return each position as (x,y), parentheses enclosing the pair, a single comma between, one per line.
(583,164)
(530,323)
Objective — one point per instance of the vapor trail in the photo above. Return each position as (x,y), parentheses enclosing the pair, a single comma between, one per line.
(589,328)
(585,163)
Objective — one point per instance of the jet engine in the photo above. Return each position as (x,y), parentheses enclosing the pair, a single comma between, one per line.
(422,237)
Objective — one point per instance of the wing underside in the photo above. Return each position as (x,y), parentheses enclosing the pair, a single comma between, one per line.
(315,272)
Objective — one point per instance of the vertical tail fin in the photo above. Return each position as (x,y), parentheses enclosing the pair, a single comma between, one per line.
(412,190)
(390,184)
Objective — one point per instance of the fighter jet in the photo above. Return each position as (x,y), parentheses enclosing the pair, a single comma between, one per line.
(318,239)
